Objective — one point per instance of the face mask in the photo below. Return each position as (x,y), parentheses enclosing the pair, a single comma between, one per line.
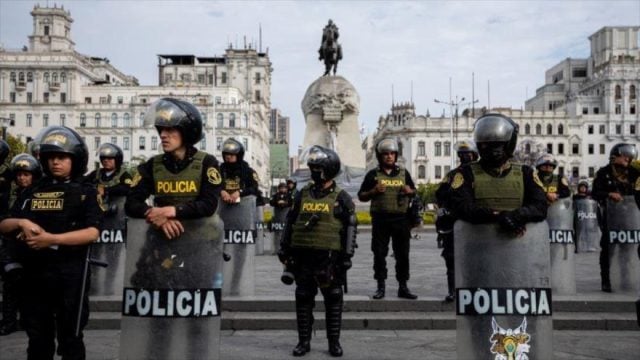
(493,156)
(316,176)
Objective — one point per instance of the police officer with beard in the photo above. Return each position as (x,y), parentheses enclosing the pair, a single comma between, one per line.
(555,186)
(494,190)
(56,219)
(389,188)
(26,170)
(238,178)
(112,179)
(317,245)
(614,181)
(467,153)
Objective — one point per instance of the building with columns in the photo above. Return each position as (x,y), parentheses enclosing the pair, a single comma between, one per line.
(50,83)
(584,108)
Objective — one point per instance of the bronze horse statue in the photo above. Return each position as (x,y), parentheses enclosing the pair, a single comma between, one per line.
(330,51)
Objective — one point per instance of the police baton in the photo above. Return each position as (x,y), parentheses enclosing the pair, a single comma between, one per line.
(85,274)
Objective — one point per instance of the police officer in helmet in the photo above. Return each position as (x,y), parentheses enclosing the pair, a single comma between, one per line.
(56,219)
(555,186)
(292,185)
(317,246)
(5,178)
(583,191)
(495,190)
(467,153)
(612,182)
(112,179)
(238,178)
(390,189)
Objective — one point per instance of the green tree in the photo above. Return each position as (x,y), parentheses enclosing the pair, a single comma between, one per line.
(427,193)
(16,147)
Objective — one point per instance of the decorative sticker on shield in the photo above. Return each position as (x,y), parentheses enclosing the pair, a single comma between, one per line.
(510,344)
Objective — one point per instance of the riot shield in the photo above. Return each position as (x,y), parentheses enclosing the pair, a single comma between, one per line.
(563,247)
(623,223)
(172,289)
(260,230)
(277,226)
(239,240)
(588,231)
(503,293)
(110,248)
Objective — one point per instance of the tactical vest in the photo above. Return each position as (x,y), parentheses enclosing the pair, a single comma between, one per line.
(390,201)
(172,189)
(322,233)
(57,208)
(506,193)
(231,184)
(552,185)
(115,180)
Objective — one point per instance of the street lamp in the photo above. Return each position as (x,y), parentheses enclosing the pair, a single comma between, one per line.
(454,105)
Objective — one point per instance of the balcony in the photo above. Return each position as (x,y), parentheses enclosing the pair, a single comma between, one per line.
(54,86)
(21,86)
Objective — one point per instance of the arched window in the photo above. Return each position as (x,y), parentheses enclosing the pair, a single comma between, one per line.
(142,119)
(114,120)
(245,120)
(560,129)
(632,92)
(20,76)
(83,120)
(54,77)
(421,149)
(232,120)
(437,148)
(45,77)
(549,129)
(538,129)
(63,77)
(527,129)
(12,77)
(447,148)
(98,120)
(29,76)
(618,92)
(126,119)
(527,148)
(421,172)
(219,120)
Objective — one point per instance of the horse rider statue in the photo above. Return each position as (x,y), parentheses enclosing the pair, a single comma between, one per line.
(330,51)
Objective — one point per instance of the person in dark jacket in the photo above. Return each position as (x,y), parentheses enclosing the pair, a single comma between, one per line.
(555,186)
(281,198)
(238,178)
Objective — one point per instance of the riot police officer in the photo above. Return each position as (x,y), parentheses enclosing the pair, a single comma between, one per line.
(56,219)
(5,178)
(614,181)
(555,186)
(583,191)
(494,190)
(467,153)
(318,245)
(292,185)
(281,198)
(238,178)
(390,189)
(112,179)
(26,170)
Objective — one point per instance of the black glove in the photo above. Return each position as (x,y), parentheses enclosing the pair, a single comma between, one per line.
(511,222)
(283,256)
(345,262)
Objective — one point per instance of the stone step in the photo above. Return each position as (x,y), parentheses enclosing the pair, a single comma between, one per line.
(408,320)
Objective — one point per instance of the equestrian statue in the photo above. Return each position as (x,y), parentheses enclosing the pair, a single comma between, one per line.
(330,51)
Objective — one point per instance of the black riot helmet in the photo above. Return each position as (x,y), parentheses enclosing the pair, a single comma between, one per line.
(467,151)
(28,163)
(179,114)
(326,160)
(546,159)
(292,181)
(61,139)
(496,136)
(584,184)
(33,147)
(386,145)
(110,151)
(624,149)
(233,147)
(4,151)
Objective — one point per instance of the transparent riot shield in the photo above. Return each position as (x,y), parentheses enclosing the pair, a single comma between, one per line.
(588,231)
(260,230)
(110,248)
(562,239)
(172,289)
(239,240)
(623,222)
(277,226)
(503,293)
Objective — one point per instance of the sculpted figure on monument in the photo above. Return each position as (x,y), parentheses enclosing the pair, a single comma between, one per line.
(330,51)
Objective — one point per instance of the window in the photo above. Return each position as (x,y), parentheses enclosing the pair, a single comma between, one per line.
(29,76)
(575,172)
(438,172)
(120,100)
(632,129)
(126,119)
(154,143)
(560,169)
(232,120)
(83,120)
(447,169)
(257,78)
(601,129)
(114,120)
(447,148)
(575,149)
(29,98)
(218,143)
(632,92)
(527,129)
(632,109)
(203,143)
(219,120)
(167,78)
(561,149)
(54,77)
(223,77)
(618,109)
(63,119)
(29,120)
(45,97)
(97,120)
(45,77)
(20,76)
(421,172)
(590,129)
(114,140)
(210,79)
(437,151)
(125,143)
(527,148)
(560,129)
(12,77)
(12,97)
(185,77)
(550,148)
(245,121)
(618,92)
(141,141)
(46,29)
(258,96)
(421,150)
(87,100)
(63,98)
(142,119)
(579,72)
(592,171)
(602,149)
(618,129)
(245,141)
(96,142)
(596,110)
(200,78)
(549,129)
(591,149)
(103,100)
(585,111)
(538,129)
(218,100)
(63,77)
(45,120)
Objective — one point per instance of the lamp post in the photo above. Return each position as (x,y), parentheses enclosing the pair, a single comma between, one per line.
(454,105)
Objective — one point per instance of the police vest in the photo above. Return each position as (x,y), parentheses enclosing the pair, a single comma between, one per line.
(231,183)
(316,227)
(392,200)
(172,189)
(57,208)
(115,180)
(506,193)
(550,186)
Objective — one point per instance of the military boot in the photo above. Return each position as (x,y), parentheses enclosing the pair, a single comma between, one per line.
(9,323)
(404,292)
(304,317)
(333,323)
(379,294)
(451,287)
(606,282)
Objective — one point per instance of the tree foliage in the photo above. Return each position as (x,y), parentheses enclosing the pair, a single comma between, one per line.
(16,147)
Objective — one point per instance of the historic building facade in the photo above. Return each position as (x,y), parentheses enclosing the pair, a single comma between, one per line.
(49,83)
(585,107)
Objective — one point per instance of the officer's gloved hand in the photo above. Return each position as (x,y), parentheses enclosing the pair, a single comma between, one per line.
(345,262)
(512,222)
(283,256)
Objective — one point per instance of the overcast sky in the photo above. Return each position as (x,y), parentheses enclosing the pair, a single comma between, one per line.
(510,43)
